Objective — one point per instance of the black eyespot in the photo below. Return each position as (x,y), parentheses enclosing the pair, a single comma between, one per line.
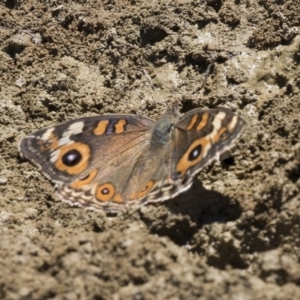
(105,191)
(195,153)
(71,158)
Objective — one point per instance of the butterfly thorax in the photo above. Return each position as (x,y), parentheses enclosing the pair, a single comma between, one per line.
(161,133)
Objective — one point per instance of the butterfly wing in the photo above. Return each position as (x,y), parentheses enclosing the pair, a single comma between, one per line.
(110,162)
(89,158)
(195,140)
(200,137)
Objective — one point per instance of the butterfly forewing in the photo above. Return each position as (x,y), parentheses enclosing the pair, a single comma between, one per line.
(200,137)
(72,149)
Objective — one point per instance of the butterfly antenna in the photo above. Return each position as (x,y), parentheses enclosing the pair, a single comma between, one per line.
(207,72)
(153,87)
(149,80)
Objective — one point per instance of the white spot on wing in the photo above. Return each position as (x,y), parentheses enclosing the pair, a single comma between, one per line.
(47,134)
(217,123)
(74,128)
(205,151)
(232,123)
(54,156)
(65,140)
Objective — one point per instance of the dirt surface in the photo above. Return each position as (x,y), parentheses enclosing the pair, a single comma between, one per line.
(236,233)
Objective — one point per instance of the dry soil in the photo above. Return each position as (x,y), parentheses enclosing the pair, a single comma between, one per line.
(235,234)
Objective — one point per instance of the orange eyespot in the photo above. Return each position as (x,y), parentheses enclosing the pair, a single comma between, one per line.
(73,158)
(105,192)
(144,191)
(80,183)
(193,155)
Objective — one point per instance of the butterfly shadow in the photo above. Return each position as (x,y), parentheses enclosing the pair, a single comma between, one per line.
(183,216)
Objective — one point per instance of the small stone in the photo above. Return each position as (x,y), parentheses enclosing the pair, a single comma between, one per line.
(3,180)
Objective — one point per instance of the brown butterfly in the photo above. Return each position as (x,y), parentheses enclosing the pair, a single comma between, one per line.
(113,161)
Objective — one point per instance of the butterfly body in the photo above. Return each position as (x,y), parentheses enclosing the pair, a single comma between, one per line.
(113,161)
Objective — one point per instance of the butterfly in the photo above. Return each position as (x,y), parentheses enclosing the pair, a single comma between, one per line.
(111,162)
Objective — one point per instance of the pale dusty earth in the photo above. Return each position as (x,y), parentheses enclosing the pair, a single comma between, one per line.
(235,234)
